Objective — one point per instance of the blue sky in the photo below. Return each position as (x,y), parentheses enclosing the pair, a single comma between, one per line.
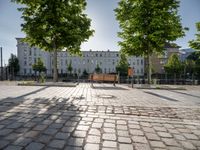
(103,21)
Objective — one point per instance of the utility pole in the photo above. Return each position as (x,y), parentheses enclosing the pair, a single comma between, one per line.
(1,63)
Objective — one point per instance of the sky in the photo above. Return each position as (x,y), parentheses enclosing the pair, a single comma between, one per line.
(103,22)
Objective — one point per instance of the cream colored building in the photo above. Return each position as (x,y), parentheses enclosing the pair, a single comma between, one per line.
(107,60)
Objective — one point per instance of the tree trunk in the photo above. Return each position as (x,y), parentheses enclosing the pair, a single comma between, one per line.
(149,69)
(55,70)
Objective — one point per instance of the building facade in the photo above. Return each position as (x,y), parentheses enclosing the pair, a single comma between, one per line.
(107,60)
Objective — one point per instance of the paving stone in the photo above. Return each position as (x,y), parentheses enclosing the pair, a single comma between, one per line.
(170,142)
(109,125)
(122,127)
(157,144)
(79,133)
(4,132)
(190,136)
(124,140)
(57,144)
(160,128)
(40,127)
(50,131)
(187,145)
(139,146)
(14,125)
(109,144)
(3,143)
(75,141)
(12,136)
(82,128)
(109,130)
(122,133)
(44,138)
(152,136)
(73,148)
(89,146)
(136,132)
(164,134)
(13,147)
(147,129)
(179,137)
(68,129)
(139,139)
(107,136)
(31,134)
(125,147)
(94,132)
(93,139)
(35,146)
(104,148)
(134,126)
(62,135)
(97,125)
(122,122)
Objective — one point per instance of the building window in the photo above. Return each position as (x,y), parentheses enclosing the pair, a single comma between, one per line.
(24,71)
(25,63)
(141,61)
(133,63)
(30,52)
(138,62)
(137,71)
(142,71)
(117,55)
(30,71)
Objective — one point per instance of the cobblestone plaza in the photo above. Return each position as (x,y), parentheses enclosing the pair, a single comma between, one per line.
(103,117)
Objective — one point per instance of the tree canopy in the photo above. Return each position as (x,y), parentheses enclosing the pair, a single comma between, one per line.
(122,65)
(98,69)
(174,65)
(146,25)
(39,66)
(13,65)
(54,25)
(69,67)
(196,43)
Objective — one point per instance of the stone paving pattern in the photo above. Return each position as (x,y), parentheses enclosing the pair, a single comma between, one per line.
(75,118)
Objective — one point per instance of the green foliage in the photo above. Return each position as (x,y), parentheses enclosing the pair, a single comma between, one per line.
(85,73)
(69,67)
(39,66)
(196,43)
(174,65)
(122,65)
(98,69)
(55,25)
(146,25)
(13,65)
(193,63)
(42,78)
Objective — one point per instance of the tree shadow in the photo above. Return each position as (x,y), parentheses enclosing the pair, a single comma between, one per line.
(185,93)
(44,121)
(161,96)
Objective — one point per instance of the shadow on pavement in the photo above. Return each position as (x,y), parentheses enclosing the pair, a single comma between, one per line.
(184,93)
(161,96)
(40,123)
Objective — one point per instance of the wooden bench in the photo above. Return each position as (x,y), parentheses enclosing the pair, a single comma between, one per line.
(103,77)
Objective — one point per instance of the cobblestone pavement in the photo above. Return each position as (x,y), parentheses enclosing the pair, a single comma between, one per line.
(103,117)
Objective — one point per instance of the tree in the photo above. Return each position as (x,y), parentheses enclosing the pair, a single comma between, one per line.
(122,65)
(69,67)
(196,43)
(195,58)
(174,66)
(54,25)
(39,66)
(98,69)
(13,65)
(147,25)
